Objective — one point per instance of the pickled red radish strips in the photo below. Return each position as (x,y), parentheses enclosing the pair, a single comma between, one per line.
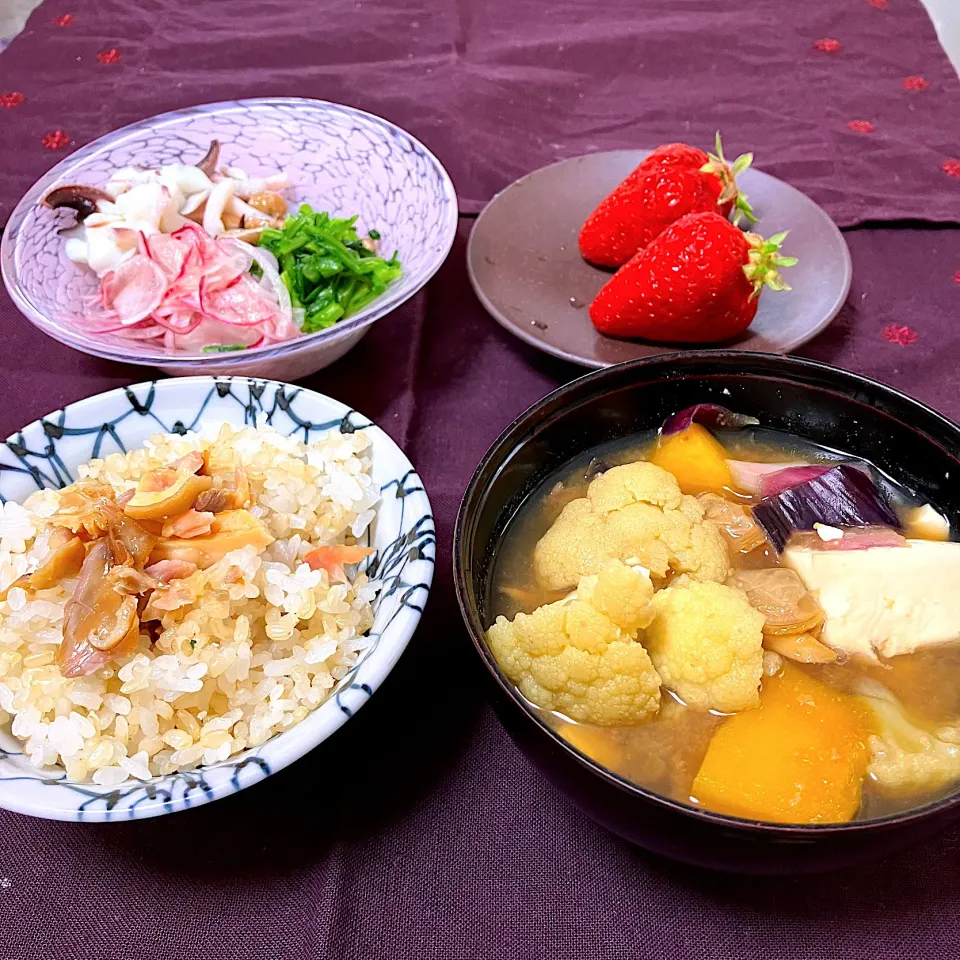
(187,256)
(184,281)
(134,290)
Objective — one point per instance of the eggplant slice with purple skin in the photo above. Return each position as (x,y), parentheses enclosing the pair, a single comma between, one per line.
(77,197)
(799,495)
(845,496)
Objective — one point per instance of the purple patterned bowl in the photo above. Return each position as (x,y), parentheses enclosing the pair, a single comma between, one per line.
(340,159)
(842,410)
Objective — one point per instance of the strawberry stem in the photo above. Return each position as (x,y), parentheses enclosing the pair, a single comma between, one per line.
(727,173)
(762,268)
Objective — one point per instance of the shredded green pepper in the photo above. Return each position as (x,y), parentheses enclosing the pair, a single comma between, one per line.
(329,270)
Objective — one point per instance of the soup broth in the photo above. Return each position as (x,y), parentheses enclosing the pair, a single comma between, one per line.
(665,753)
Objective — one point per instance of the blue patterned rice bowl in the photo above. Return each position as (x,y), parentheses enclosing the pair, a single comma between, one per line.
(151,733)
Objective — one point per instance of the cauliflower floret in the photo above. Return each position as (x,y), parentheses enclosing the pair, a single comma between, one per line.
(634,513)
(906,758)
(579,656)
(706,642)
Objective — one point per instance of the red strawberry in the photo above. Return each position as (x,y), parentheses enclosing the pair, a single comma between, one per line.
(723,181)
(698,282)
(675,155)
(691,180)
(629,219)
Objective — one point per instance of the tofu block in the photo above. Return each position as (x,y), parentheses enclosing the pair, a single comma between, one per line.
(884,600)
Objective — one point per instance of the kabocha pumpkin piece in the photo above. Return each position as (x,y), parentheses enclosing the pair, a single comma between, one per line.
(696,458)
(800,757)
(598,745)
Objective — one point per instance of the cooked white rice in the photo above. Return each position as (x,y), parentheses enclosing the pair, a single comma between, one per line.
(251,657)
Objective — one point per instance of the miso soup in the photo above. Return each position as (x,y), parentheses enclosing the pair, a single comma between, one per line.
(798,628)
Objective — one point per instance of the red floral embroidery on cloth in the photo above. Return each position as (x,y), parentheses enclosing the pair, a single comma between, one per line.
(878,4)
(951,168)
(915,83)
(55,140)
(65,21)
(861,126)
(956,277)
(828,45)
(112,55)
(11,100)
(901,335)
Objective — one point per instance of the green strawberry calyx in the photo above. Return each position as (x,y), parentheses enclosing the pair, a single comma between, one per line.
(727,172)
(762,268)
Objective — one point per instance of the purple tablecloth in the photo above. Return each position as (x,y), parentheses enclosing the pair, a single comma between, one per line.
(419,830)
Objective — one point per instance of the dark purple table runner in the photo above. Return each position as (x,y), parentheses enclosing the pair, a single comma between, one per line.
(852,101)
(419,830)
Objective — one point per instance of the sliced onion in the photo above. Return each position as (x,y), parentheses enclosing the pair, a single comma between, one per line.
(187,289)
(240,304)
(181,323)
(194,202)
(779,480)
(801,647)
(271,277)
(148,330)
(748,475)
(710,415)
(168,253)
(211,333)
(782,597)
(263,254)
(736,524)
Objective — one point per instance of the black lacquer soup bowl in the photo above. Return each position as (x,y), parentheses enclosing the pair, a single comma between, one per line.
(908,441)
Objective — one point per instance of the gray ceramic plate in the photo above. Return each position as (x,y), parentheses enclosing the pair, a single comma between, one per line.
(527,271)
